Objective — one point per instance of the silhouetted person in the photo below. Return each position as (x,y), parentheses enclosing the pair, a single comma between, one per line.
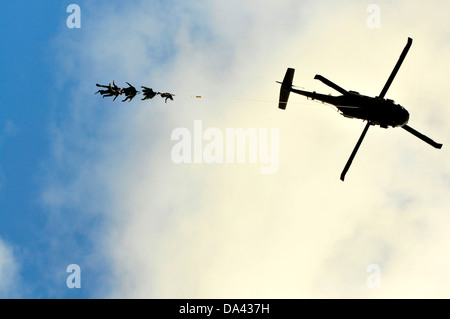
(130,92)
(167,96)
(112,90)
(148,93)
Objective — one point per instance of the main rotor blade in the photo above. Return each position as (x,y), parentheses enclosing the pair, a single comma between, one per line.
(352,156)
(395,70)
(421,136)
(330,84)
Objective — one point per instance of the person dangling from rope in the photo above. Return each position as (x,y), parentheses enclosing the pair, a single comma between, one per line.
(148,93)
(167,96)
(130,92)
(113,90)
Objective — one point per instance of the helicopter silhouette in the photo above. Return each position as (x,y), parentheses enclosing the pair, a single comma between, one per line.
(375,110)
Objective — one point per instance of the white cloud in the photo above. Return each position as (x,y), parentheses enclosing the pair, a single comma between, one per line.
(9,284)
(225,230)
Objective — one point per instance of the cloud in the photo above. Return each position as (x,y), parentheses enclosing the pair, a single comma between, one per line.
(9,268)
(9,129)
(226,231)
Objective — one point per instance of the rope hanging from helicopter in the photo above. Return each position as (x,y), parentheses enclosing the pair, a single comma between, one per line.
(112,90)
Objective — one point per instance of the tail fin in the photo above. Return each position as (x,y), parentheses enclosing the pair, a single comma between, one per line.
(286,88)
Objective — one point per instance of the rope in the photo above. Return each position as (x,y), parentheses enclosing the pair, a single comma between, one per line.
(307,102)
(245,99)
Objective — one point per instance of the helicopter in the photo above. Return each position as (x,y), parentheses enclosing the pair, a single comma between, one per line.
(375,110)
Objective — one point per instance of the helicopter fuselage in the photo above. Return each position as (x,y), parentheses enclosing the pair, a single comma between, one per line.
(376,110)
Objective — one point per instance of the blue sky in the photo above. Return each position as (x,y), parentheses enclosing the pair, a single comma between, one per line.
(88,181)
(25,38)
(34,100)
